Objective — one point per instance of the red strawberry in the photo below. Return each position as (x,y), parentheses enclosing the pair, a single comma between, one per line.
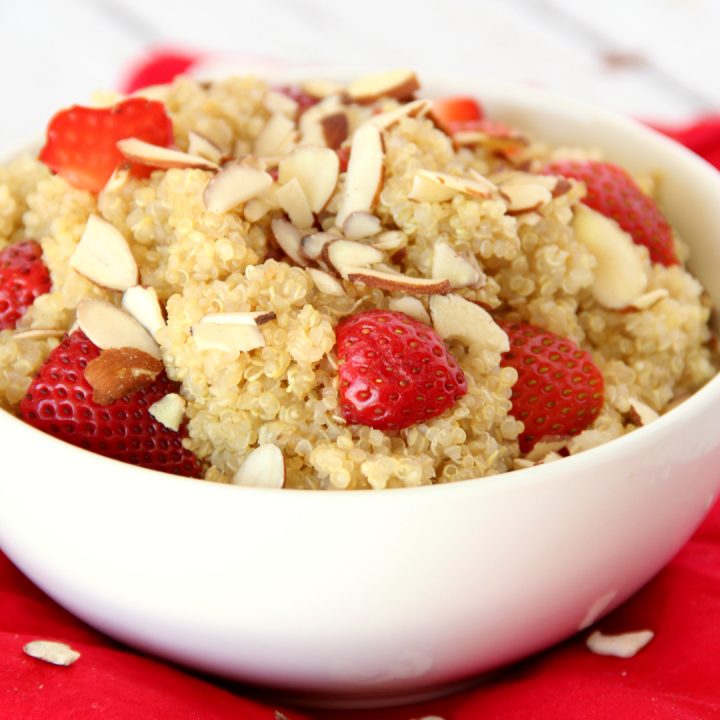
(23,277)
(59,402)
(559,390)
(82,142)
(454,114)
(303,100)
(394,371)
(612,192)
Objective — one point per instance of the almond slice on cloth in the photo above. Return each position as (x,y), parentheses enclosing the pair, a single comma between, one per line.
(110,327)
(233,185)
(626,645)
(103,256)
(335,129)
(117,372)
(396,281)
(400,84)
(38,334)
(455,317)
(359,225)
(169,411)
(449,264)
(292,200)
(412,307)
(277,102)
(227,337)
(388,120)
(200,146)
(143,304)
(277,137)
(161,157)
(255,318)
(288,237)
(340,254)
(433,186)
(326,283)
(620,276)
(365,173)
(317,170)
(263,467)
(55,653)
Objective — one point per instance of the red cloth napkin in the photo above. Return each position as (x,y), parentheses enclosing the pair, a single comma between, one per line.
(676,677)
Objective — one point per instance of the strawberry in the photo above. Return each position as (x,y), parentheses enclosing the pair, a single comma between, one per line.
(303,100)
(59,402)
(81,143)
(455,114)
(394,371)
(23,277)
(612,192)
(559,390)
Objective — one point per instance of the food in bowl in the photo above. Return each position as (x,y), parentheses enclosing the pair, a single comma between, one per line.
(335,287)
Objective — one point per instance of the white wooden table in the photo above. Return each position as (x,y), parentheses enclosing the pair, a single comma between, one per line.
(653,59)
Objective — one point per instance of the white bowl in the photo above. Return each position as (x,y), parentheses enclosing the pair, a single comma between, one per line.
(374,597)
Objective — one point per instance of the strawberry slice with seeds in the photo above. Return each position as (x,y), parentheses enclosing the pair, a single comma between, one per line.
(59,402)
(81,143)
(454,114)
(23,278)
(559,391)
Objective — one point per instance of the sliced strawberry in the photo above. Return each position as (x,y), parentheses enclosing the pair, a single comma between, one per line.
(81,143)
(394,371)
(454,114)
(612,192)
(559,391)
(59,402)
(23,277)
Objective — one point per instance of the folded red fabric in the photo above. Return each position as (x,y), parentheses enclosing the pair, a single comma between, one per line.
(677,676)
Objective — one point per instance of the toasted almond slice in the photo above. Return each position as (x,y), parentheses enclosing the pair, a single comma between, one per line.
(365,173)
(620,276)
(455,317)
(240,318)
(310,123)
(641,414)
(340,254)
(522,463)
(390,240)
(38,334)
(524,198)
(335,129)
(161,157)
(263,467)
(626,645)
(118,179)
(277,102)
(432,186)
(451,265)
(201,146)
(104,257)
(255,209)
(233,185)
(312,245)
(320,89)
(293,201)
(227,337)
(648,299)
(288,237)
(396,281)
(55,653)
(400,84)
(389,119)
(326,283)
(278,136)
(110,327)
(359,225)
(317,170)
(410,306)
(169,411)
(143,304)
(118,372)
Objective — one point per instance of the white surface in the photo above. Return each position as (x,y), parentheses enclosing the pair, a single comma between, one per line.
(54,54)
(386,593)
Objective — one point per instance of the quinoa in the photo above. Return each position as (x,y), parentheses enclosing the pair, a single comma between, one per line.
(286,393)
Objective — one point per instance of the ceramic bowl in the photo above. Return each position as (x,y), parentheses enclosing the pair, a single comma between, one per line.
(378,597)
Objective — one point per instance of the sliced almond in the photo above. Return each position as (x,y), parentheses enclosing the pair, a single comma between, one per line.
(240,318)
(312,245)
(641,414)
(432,186)
(263,467)
(104,257)
(359,225)
(277,102)
(335,129)
(288,237)
(447,263)
(396,281)
(400,84)
(38,334)
(317,170)
(161,157)
(410,306)
(118,372)
(389,119)
(233,185)
(522,463)
(118,179)
(293,201)
(277,137)
(169,411)
(110,327)
(620,276)
(365,173)
(200,146)
(143,304)
(542,448)
(648,299)
(55,653)
(524,198)
(626,645)
(227,337)
(310,123)
(390,240)
(326,283)
(255,209)
(320,89)
(340,254)
(455,317)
